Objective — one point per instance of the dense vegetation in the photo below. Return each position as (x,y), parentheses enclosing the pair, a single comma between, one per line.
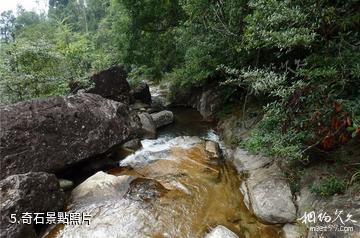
(301,58)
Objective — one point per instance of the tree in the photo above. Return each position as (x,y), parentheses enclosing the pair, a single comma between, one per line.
(31,70)
(151,34)
(7,24)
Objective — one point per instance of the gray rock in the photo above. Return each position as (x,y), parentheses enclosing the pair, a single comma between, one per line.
(221,232)
(30,192)
(293,231)
(120,206)
(100,186)
(270,196)
(245,161)
(244,191)
(112,84)
(53,134)
(162,118)
(148,127)
(142,92)
(210,102)
(213,148)
(265,190)
(159,97)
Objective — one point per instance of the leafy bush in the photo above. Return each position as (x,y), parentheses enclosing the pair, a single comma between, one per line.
(328,186)
(31,70)
(138,74)
(256,81)
(288,26)
(272,142)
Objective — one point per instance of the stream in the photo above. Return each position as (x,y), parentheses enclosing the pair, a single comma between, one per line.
(178,185)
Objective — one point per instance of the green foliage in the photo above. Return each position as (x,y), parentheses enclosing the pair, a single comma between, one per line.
(278,23)
(76,48)
(268,139)
(83,15)
(139,74)
(301,70)
(328,186)
(150,35)
(256,81)
(30,70)
(211,36)
(7,24)
(43,55)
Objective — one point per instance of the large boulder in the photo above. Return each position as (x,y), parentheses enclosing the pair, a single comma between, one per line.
(141,92)
(100,186)
(53,134)
(148,128)
(265,190)
(270,196)
(162,118)
(111,84)
(118,205)
(34,192)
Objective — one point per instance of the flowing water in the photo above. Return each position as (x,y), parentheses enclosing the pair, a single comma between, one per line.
(175,186)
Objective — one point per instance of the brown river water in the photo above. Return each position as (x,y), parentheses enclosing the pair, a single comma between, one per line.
(172,187)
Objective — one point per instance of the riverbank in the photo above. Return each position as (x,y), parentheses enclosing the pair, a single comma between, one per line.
(282,191)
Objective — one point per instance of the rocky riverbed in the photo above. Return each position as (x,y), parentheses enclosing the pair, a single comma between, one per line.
(172,187)
(141,168)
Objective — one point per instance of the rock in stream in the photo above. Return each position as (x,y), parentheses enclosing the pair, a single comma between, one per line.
(170,188)
(266,191)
